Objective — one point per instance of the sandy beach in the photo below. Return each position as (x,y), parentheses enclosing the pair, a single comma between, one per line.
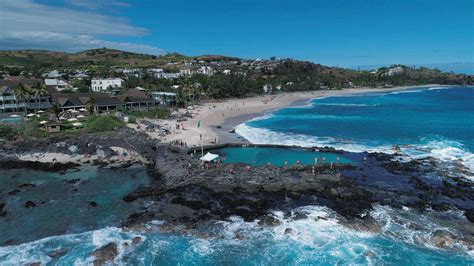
(217,118)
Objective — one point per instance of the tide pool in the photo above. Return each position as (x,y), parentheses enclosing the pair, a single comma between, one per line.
(259,156)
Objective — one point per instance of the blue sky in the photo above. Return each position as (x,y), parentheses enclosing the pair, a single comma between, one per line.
(344,33)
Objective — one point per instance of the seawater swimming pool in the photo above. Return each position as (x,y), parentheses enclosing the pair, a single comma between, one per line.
(11,120)
(277,156)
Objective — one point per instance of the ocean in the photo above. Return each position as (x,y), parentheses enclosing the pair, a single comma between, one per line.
(435,122)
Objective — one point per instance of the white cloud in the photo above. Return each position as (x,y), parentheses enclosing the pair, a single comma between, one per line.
(25,24)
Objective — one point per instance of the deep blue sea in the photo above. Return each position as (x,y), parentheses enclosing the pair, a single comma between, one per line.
(434,122)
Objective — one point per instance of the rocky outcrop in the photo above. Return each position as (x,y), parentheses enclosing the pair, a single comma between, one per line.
(57,253)
(37,166)
(3,212)
(105,254)
(443,239)
(30,204)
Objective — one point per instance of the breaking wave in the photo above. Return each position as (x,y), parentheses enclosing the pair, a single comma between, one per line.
(441,149)
(302,236)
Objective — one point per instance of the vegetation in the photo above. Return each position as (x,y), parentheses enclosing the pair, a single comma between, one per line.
(7,132)
(97,124)
(247,78)
(158,113)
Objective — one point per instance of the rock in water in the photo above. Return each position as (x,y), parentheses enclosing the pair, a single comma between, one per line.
(268,220)
(57,253)
(105,253)
(30,204)
(93,204)
(136,240)
(443,239)
(3,213)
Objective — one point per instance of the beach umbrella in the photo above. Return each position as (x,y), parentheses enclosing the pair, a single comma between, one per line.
(73,111)
(30,115)
(43,122)
(72,119)
(80,116)
(77,124)
(40,111)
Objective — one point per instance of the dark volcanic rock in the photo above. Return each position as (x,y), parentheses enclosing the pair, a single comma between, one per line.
(443,239)
(57,253)
(269,220)
(38,166)
(26,185)
(136,240)
(105,254)
(14,192)
(469,215)
(30,204)
(93,204)
(3,213)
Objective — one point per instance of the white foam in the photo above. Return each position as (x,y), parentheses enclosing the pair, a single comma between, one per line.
(439,148)
(405,91)
(417,228)
(79,247)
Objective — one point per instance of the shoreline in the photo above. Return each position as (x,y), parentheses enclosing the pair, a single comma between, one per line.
(218,118)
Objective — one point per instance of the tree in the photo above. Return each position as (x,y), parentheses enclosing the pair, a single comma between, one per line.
(22,94)
(39,90)
(91,105)
(56,111)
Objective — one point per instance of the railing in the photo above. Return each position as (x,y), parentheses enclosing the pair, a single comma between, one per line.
(7,98)
(11,105)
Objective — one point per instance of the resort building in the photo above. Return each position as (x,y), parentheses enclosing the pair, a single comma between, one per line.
(57,84)
(102,85)
(10,102)
(137,99)
(102,101)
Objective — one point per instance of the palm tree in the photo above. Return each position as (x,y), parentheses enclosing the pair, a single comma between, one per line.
(90,106)
(22,94)
(39,90)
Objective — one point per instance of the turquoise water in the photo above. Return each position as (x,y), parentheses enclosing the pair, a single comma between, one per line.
(319,239)
(259,156)
(436,122)
(11,120)
(61,207)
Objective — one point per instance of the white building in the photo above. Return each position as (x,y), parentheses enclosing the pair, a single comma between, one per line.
(206,70)
(394,71)
(164,75)
(58,84)
(185,72)
(100,85)
(226,72)
(268,88)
